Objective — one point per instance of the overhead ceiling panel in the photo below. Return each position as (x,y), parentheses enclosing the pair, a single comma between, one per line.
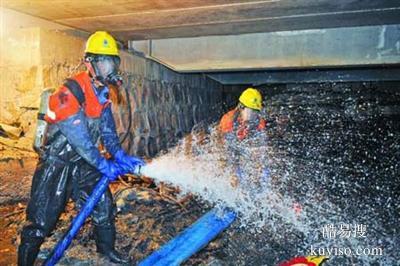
(158,19)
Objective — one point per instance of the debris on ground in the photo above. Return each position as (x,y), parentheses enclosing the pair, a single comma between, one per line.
(148,216)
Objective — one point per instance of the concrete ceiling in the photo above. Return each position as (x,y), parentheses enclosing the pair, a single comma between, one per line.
(158,19)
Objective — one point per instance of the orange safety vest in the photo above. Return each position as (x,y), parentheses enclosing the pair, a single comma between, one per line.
(227,122)
(63,104)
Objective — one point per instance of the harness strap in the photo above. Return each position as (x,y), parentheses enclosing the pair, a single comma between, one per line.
(76,90)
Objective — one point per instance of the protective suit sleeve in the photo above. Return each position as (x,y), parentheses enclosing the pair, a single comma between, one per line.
(75,129)
(108,132)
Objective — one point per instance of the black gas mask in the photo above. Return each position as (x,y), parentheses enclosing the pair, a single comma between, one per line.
(104,68)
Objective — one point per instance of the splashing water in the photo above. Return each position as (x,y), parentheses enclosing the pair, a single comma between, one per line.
(319,180)
(203,172)
(201,169)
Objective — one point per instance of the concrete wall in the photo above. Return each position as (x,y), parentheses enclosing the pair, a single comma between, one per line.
(165,105)
(35,54)
(33,59)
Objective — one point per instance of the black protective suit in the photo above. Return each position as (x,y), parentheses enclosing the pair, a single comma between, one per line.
(67,169)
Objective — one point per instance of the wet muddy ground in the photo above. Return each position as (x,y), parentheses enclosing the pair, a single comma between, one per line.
(15,176)
(148,216)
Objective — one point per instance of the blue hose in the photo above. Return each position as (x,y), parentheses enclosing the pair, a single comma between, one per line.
(174,252)
(192,239)
(78,221)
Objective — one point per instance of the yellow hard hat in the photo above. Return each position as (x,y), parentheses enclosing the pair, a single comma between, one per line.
(251,98)
(101,43)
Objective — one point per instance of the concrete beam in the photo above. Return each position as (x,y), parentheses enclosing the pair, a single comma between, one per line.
(308,76)
(337,47)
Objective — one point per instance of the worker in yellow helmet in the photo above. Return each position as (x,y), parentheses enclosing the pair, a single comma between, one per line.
(79,117)
(245,113)
(241,123)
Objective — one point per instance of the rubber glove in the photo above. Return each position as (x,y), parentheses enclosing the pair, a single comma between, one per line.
(110,169)
(129,163)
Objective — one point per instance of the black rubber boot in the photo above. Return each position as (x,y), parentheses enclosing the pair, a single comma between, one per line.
(105,241)
(28,251)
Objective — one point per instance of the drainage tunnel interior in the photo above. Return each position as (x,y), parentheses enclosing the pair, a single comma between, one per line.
(329,76)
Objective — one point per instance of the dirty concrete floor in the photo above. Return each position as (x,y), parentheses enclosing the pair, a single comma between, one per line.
(148,216)
(15,178)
